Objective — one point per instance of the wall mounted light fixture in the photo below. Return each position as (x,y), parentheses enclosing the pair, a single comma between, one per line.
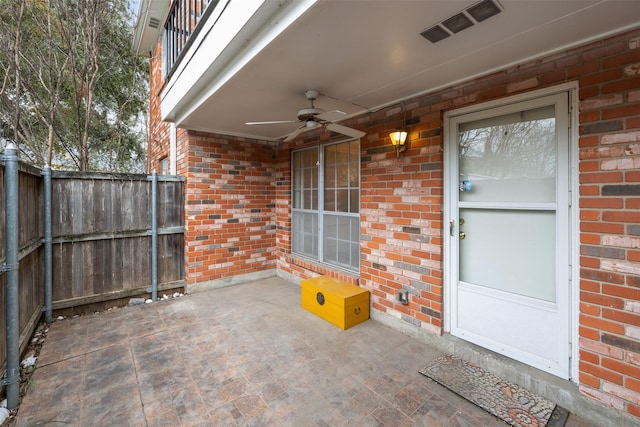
(398,140)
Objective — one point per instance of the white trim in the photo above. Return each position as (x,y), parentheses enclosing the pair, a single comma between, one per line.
(145,37)
(574,217)
(233,35)
(173,150)
(513,99)
(319,211)
(450,188)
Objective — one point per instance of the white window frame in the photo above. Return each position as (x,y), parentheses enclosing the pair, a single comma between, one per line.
(321,212)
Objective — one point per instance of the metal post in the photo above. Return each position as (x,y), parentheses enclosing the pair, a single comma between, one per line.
(12,379)
(48,259)
(154,236)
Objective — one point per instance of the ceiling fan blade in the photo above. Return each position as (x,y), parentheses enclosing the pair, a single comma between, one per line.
(354,133)
(273,122)
(295,133)
(305,127)
(332,116)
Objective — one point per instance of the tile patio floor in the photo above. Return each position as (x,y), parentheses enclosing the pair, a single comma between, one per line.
(241,355)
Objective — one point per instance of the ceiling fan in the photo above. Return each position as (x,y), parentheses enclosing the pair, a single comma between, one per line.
(313,117)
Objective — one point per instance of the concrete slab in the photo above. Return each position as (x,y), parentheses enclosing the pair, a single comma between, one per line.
(238,355)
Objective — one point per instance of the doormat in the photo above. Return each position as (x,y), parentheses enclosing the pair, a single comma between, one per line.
(509,402)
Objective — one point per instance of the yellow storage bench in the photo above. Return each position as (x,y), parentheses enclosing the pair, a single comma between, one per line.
(335,301)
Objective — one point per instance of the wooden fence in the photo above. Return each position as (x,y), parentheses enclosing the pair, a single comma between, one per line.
(101,236)
(101,240)
(31,255)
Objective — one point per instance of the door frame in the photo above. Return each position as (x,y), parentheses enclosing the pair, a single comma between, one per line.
(451,187)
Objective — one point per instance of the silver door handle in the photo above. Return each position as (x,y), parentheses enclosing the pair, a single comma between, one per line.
(452,225)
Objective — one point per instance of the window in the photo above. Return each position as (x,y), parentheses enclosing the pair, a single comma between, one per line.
(326,204)
(164,166)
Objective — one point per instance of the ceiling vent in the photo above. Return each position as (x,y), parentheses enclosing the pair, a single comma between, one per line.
(472,15)
(483,10)
(457,23)
(435,34)
(154,22)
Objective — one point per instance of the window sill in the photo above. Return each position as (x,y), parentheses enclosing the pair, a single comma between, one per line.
(325,269)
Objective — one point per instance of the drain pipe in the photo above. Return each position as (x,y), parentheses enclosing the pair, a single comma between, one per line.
(12,379)
(154,236)
(48,258)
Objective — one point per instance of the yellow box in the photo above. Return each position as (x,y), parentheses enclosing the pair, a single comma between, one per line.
(335,301)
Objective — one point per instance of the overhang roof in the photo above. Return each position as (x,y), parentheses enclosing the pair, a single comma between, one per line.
(150,18)
(365,54)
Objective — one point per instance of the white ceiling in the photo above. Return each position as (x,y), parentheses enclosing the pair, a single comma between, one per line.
(365,54)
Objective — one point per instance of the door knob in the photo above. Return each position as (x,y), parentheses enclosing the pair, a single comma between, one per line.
(462,235)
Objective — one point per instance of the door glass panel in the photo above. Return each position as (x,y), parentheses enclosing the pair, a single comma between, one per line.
(512,251)
(510,158)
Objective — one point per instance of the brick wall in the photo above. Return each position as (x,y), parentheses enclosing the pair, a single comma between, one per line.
(402,204)
(229,194)
(401,213)
(230,206)
(158,130)
(609,77)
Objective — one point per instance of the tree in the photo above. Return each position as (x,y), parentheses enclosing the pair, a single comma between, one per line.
(74,94)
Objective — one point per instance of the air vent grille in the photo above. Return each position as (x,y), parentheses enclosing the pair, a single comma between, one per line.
(154,22)
(457,23)
(435,34)
(483,10)
(470,16)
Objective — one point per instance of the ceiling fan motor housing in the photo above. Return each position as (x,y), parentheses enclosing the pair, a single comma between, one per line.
(311,95)
(309,113)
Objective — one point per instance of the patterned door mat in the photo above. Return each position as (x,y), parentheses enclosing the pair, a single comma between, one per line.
(515,405)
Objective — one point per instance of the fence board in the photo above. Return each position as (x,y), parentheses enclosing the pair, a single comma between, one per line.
(31,261)
(170,258)
(3,220)
(3,322)
(109,252)
(102,245)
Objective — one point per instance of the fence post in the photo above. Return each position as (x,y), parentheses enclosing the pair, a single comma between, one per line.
(154,236)
(11,267)
(48,259)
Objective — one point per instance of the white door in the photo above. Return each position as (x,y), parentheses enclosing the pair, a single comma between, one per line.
(508,230)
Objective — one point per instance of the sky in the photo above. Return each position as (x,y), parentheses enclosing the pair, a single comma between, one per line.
(133,4)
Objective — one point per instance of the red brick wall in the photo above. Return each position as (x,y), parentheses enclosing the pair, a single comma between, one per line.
(230,206)
(401,206)
(401,213)
(158,130)
(402,203)
(609,77)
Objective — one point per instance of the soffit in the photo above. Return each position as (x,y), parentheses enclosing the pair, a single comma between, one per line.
(366,54)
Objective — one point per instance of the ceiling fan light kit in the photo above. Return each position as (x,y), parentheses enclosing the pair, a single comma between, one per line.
(314,117)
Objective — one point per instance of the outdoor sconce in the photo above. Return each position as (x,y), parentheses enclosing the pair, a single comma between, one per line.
(398,139)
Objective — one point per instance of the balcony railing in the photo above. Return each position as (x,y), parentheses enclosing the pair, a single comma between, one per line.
(181,27)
